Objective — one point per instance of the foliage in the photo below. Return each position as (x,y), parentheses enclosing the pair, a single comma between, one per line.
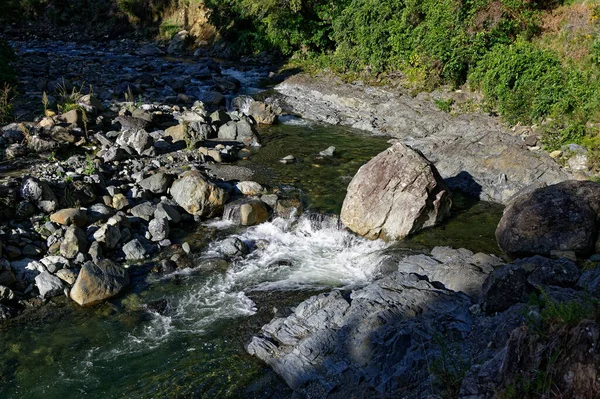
(444,105)
(449,368)
(6,111)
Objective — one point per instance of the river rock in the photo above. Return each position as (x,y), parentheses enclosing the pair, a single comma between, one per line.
(26,269)
(589,281)
(159,229)
(108,235)
(70,216)
(249,188)
(197,195)
(178,43)
(560,217)
(134,250)
(69,276)
(39,193)
(246,212)
(232,247)
(7,277)
(373,342)
(73,242)
(241,131)
(55,263)
(264,114)
(48,285)
(144,211)
(6,294)
(168,212)
(395,194)
(458,270)
(98,282)
(158,183)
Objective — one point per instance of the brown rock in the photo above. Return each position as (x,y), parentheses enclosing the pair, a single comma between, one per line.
(69,216)
(97,283)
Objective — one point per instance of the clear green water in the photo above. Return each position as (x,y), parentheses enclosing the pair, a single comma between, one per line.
(184,336)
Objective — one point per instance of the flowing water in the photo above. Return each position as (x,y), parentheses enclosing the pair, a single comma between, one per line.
(183,335)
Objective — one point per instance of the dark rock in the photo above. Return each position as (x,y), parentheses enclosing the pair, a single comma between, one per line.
(503,288)
(232,247)
(559,217)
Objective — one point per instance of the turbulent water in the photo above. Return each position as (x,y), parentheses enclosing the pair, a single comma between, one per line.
(183,334)
(181,316)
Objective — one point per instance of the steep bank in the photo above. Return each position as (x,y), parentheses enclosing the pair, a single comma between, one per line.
(474,152)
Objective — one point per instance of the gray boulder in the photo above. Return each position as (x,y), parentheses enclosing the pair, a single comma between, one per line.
(241,131)
(159,229)
(48,285)
(134,250)
(98,282)
(158,183)
(395,194)
(108,235)
(197,195)
(144,211)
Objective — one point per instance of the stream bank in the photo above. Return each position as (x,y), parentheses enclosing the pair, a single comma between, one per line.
(180,328)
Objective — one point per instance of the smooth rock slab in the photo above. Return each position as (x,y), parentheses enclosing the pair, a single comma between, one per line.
(97,283)
(397,193)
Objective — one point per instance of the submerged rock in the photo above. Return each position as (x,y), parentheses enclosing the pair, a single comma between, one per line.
(395,194)
(98,282)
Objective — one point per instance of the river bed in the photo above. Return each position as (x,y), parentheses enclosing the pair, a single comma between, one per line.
(183,335)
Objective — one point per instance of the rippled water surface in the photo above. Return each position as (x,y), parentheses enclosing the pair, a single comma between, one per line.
(183,335)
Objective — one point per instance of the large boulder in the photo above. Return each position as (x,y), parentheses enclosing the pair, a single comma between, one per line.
(70,216)
(397,193)
(560,217)
(98,282)
(197,195)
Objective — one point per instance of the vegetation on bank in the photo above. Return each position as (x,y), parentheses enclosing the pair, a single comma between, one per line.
(537,62)
(7,77)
